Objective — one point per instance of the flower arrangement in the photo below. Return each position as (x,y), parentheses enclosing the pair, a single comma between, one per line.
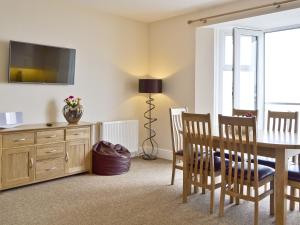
(73,110)
(72,101)
(248,114)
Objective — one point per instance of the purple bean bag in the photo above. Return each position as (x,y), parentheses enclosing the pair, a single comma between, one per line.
(109,159)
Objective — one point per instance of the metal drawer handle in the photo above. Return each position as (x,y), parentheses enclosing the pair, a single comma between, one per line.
(53,168)
(67,157)
(21,139)
(54,150)
(76,134)
(31,163)
(52,136)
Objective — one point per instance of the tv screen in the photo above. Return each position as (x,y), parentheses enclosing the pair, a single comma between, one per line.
(33,63)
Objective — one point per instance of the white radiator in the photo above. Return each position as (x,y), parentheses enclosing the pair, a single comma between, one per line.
(125,132)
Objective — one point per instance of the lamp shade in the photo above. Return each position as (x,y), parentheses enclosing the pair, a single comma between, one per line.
(150,86)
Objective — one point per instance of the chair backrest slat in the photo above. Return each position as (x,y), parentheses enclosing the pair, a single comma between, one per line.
(176,127)
(238,136)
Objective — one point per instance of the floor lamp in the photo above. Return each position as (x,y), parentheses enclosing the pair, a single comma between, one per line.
(150,86)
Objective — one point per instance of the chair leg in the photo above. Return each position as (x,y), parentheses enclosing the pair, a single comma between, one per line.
(256,213)
(212,200)
(292,202)
(173,170)
(272,206)
(222,199)
(189,185)
(237,199)
(185,185)
(231,200)
(196,189)
(204,182)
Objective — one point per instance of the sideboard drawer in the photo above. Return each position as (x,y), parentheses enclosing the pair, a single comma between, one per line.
(77,133)
(18,139)
(49,168)
(50,136)
(50,151)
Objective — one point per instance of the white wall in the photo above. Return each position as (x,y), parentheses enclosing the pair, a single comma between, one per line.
(204,81)
(172,48)
(111,53)
(172,57)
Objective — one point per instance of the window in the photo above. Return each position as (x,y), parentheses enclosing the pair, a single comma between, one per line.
(246,81)
(282,70)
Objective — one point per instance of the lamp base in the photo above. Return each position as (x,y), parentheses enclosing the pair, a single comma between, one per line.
(149,157)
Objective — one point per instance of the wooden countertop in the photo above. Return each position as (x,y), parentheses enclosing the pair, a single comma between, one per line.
(43,126)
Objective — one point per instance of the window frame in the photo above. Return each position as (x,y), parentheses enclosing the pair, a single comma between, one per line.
(221,67)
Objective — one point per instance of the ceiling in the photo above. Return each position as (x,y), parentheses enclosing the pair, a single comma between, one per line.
(150,10)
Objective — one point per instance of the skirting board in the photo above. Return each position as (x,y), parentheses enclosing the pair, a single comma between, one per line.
(162,153)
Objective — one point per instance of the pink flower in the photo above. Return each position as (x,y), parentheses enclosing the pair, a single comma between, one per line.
(72,101)
(248,114)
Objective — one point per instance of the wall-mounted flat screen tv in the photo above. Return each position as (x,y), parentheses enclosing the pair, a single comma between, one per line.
(33,63)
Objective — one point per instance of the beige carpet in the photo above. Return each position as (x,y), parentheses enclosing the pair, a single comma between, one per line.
(142,196)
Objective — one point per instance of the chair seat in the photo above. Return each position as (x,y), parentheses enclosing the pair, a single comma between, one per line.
(263,171)
(226,153)
(179,152)
(266,161)
(217,163)
(270,162)
(294,172)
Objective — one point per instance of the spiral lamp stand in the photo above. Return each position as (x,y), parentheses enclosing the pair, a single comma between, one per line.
(150,146)
(151,154)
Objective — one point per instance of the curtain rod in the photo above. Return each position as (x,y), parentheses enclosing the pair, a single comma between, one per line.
(275,4)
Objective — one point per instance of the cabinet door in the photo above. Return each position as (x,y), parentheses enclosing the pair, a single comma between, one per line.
(77,156)
(18,166)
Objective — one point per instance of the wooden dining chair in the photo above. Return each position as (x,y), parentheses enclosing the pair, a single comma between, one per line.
(244,112)
(201,167)
(283,122)
(241,180)
(239,113)
(177,141)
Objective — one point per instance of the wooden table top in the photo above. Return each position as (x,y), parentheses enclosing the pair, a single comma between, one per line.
(272,139)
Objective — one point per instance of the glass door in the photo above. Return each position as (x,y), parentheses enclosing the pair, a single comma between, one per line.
(248,70)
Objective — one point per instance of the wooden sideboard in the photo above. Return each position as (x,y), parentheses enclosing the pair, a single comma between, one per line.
(35,153)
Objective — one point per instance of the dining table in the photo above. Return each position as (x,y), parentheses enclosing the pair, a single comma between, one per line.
(280,146)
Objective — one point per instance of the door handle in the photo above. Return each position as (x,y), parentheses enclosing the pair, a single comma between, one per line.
(51,151)
(52,136)
(21,139)
(53,168)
